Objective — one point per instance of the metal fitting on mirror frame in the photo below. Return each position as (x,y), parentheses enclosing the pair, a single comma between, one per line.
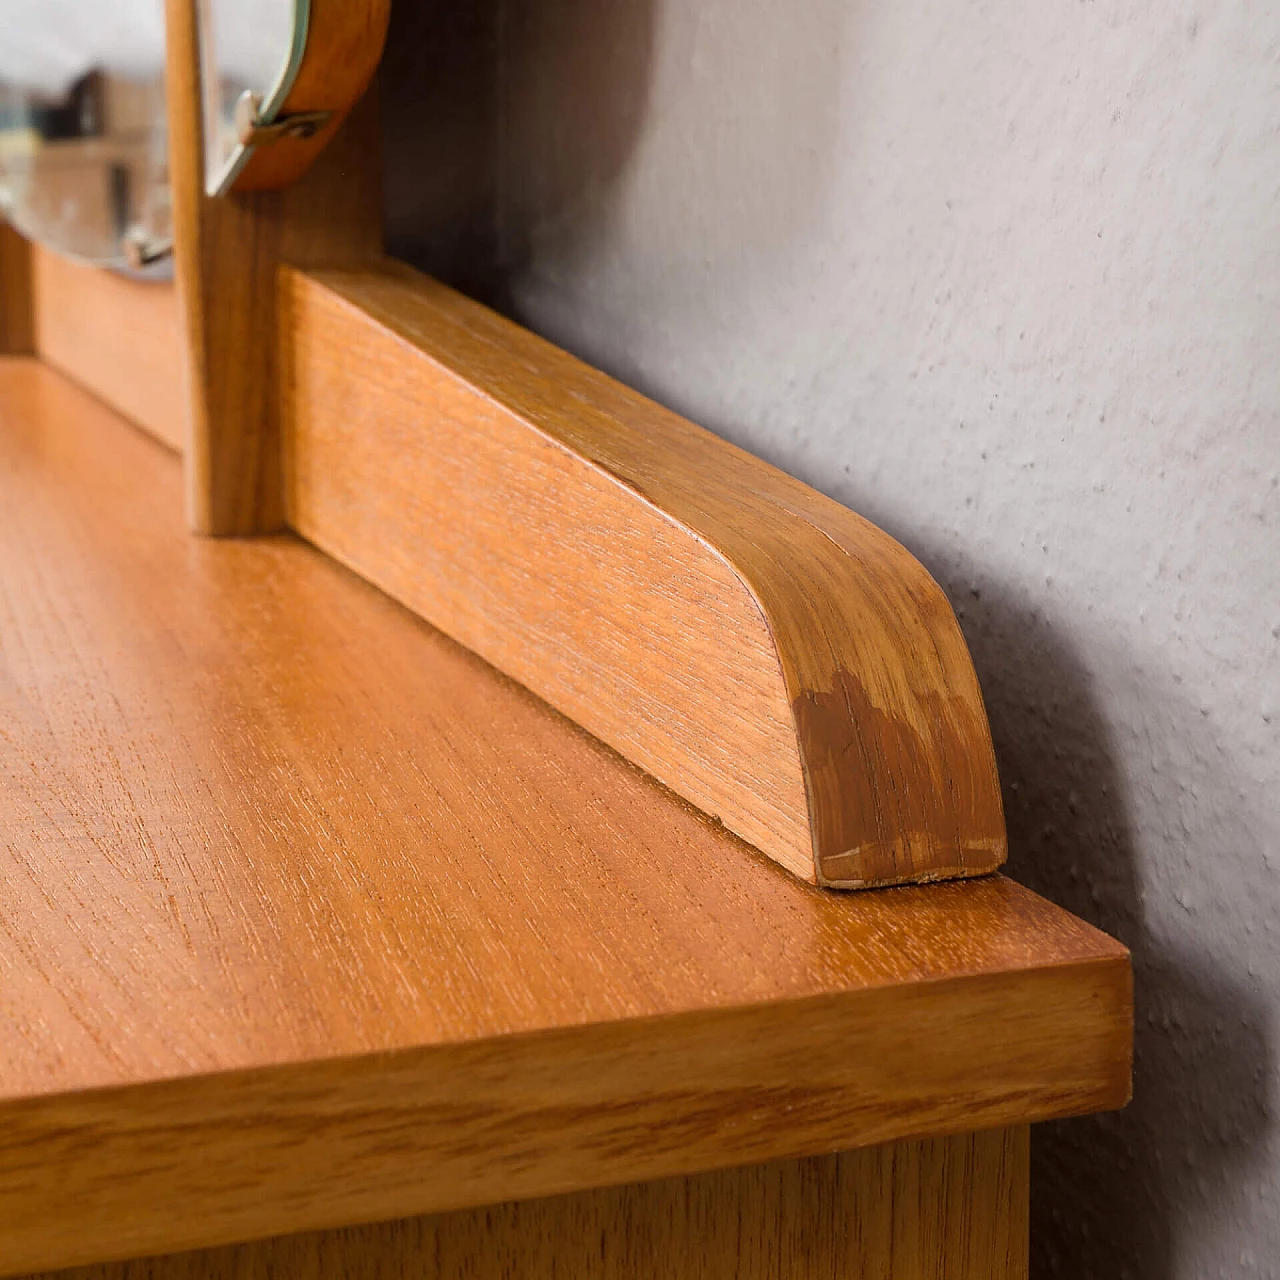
(252,131)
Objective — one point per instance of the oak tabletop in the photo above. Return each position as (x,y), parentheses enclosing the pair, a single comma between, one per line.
(257,817)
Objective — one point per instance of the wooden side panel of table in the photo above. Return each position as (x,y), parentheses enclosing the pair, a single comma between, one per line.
(941,1209)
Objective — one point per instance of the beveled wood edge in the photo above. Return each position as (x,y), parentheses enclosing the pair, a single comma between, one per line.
(834,591)
(336,1142)
(17,298)
(344,45)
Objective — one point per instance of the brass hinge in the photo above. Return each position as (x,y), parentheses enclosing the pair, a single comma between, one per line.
(252,132)
(141,250)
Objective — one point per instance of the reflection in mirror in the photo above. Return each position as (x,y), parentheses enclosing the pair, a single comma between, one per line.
(83,167)
(251,51)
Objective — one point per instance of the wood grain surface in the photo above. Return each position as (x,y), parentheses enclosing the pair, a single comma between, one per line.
(120,338)
(17,321)
(759,648)
(344,47)
(309,917)
(226,254)
(943,1209)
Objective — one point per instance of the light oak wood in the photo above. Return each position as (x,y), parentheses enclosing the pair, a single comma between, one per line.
(226,252)
(943,1209)
(17,335)
(759,648)
(344,46)
(308,917)
(120,338)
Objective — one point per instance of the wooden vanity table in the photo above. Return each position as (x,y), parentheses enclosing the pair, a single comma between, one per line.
(330,952)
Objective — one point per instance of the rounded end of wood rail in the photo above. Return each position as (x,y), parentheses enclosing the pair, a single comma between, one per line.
(891,733)
(767,654)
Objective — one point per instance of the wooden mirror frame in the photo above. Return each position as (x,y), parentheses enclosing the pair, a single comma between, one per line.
(338,45)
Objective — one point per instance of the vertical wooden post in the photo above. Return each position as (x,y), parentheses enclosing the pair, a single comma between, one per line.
(227,251)
(17,300)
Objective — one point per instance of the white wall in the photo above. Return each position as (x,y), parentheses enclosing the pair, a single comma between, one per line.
(1004,277)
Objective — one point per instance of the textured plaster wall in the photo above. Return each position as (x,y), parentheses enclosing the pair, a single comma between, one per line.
(1004,277)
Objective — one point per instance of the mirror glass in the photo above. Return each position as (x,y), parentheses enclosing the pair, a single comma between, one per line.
(83,166)
(250,51)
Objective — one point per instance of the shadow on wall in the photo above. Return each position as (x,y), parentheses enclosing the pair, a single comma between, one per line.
(509,129)
(472,94)
(1111,1193)
(437,90)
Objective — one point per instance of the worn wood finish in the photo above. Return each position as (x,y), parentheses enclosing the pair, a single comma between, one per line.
(309,917)
(759,648)
(17,321)
(344,46)
(227,253)
(121,338)
(943,1209)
